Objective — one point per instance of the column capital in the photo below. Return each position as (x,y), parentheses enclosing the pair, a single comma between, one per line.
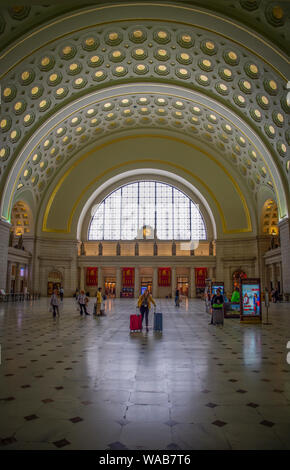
(284,223)
(5,224)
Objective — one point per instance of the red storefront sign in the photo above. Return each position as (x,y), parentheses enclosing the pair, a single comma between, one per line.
(200,277)
(128,277)
(164,277)
(92,277)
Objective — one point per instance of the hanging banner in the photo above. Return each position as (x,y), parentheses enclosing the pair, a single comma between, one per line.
(164,277)
(92,277)
(200,277)
(128,277)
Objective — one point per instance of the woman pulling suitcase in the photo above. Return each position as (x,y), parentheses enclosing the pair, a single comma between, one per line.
(144,303)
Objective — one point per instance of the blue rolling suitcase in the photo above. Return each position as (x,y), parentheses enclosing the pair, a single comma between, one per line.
(158,322)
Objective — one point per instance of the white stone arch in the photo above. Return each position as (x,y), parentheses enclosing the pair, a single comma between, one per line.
(107,93)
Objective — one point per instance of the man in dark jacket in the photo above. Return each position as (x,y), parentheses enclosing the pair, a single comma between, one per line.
(217,302)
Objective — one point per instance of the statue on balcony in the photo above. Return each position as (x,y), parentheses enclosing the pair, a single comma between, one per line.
(100,249)
(20,243)
(136,249)
(272,242)
(11,237)
(83,251)
(173,248)
(118,249)
(155,249)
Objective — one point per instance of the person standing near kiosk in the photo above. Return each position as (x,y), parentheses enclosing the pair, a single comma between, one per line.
(217,303)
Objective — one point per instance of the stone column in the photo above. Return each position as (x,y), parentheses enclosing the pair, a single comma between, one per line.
(82,278)
(8,283)
(4,242)
(210,272)
(137,283)
(272,275)
(281,278)
(100,277)
(155,283)
(118,283)
(276,271)
(219,263)
(192,294)
(173,282)
(284,229)
(17,278)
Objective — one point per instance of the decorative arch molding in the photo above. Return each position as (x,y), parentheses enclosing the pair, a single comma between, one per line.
(210,36)
(50,127)
(111,158)
(127,177)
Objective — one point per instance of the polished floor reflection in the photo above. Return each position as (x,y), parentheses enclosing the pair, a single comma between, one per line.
(86,383)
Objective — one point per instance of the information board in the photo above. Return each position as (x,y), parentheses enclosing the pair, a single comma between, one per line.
(250,300)
(215,286)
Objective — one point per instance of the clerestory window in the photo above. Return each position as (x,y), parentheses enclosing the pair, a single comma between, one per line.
(147,209)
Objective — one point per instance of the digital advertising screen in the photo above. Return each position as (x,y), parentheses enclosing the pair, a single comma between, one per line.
(250,298)
(143,288)
(215,286)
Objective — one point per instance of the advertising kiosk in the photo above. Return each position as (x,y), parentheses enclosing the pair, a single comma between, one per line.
(250,301)
(210,290)
(232,309)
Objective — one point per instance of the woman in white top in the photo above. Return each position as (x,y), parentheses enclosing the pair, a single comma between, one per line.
(83,300)
(54,302)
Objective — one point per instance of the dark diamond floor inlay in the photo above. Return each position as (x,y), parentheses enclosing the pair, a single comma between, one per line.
(61,443)
(219,423)
(75,420)
(269,424)
(117,446)
(30,417)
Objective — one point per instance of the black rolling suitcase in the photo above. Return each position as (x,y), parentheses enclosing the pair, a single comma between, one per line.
(158,322)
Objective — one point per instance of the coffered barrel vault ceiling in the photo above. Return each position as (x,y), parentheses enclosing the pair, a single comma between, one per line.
(64,95)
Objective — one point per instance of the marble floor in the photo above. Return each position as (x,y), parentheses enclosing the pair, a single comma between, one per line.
(86,383)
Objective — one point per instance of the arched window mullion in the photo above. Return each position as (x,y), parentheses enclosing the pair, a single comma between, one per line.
(158,194)
(121,214)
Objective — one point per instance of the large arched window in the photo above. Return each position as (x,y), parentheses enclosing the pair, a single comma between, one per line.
(147,209)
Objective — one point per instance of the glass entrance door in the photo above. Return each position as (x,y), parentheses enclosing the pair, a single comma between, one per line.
(182,285)
(110,287)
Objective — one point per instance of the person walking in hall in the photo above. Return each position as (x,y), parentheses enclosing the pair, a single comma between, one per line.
(83,300)
(61,292)
(217,302)
(54,302)
(98,302)
(144,304)
(275,295)
(177,298)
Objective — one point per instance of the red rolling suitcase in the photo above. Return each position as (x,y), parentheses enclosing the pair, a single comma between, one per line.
(135,323)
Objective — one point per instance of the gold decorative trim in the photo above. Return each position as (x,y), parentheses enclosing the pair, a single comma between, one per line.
(194,10)
(175,139)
